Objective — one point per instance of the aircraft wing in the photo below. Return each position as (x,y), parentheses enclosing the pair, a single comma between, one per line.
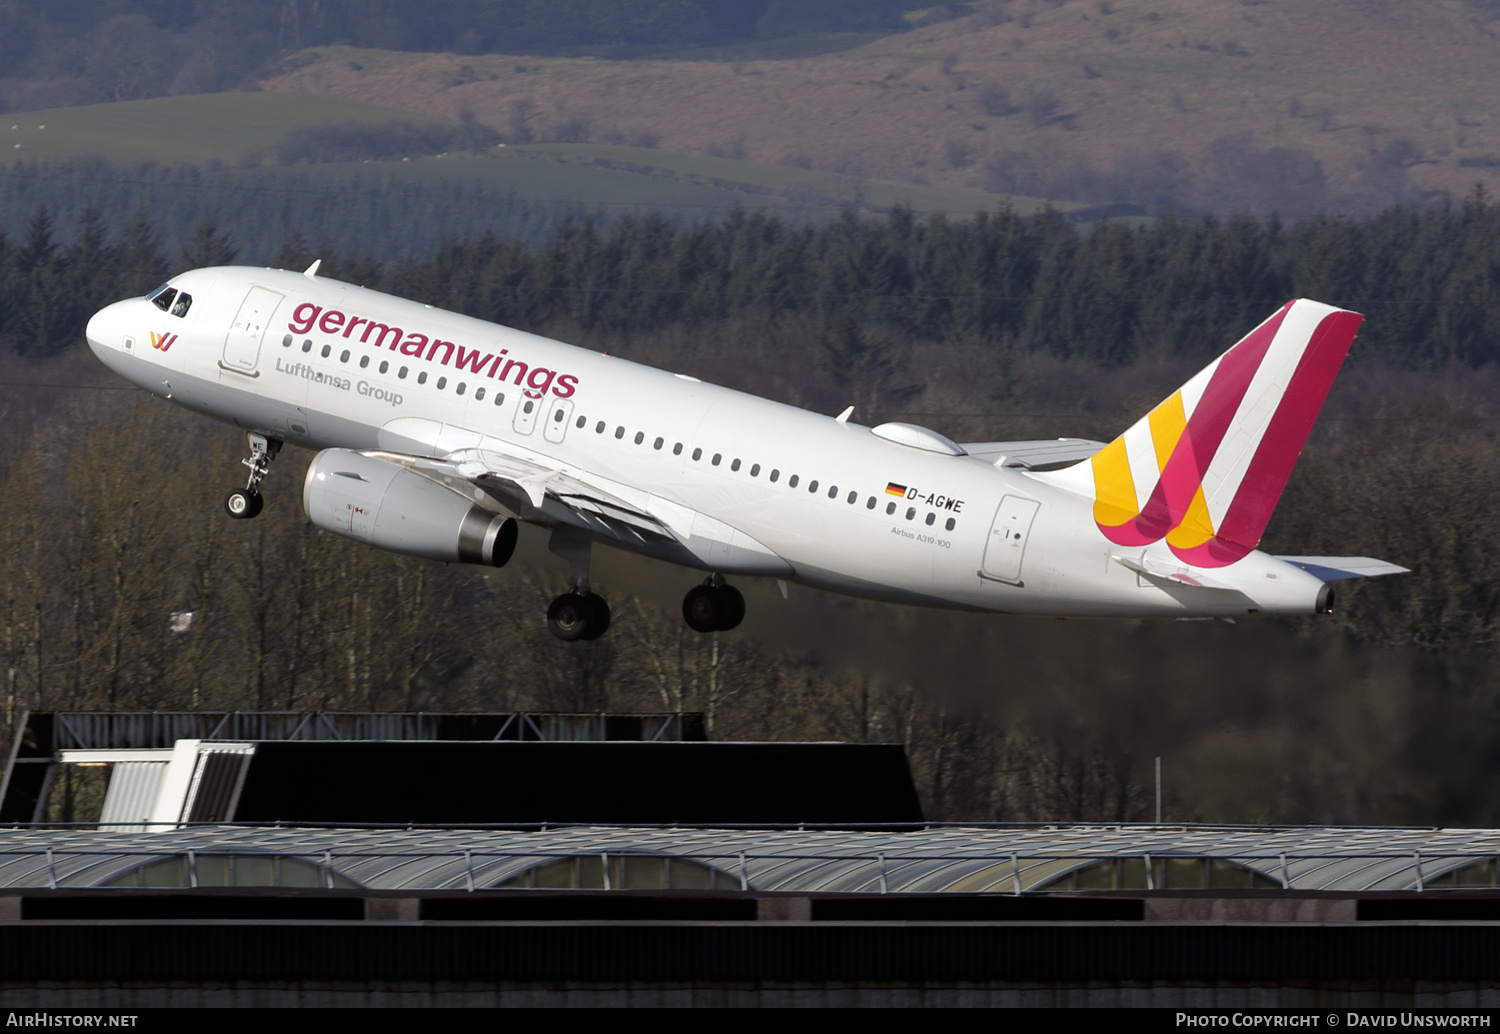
(1043,454)
(1337,568)
(518,481)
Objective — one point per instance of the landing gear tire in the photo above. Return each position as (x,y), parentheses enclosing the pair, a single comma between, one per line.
(598,616)
(574,616)
(243,504)
(734,608)
(713,608)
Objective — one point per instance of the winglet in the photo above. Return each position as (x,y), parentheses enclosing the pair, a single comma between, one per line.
(843,417)
(311,272)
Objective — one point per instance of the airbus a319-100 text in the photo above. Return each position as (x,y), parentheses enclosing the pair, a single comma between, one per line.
(439,432)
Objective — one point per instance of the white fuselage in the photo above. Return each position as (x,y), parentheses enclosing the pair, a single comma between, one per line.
(763,488)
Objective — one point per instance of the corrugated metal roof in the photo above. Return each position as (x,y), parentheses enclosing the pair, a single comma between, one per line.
(929,859)
(131,793)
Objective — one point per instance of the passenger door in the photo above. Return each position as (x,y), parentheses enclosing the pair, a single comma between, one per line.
(242,343)
(1006,546)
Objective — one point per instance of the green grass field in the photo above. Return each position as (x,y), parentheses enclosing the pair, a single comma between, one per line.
(238,128)
(224,127)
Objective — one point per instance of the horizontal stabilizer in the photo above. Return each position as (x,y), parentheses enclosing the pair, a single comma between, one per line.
(1152,568)
(1046,454)
(1337,568)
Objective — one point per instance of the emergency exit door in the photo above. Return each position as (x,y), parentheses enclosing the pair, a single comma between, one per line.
(526,414)
(559,414)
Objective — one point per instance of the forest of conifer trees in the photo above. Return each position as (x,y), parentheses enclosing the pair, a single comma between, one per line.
(1429,280)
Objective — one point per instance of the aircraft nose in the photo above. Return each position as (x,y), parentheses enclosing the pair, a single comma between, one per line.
(106,330)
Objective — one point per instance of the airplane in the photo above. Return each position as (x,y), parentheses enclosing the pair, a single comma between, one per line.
(438,433)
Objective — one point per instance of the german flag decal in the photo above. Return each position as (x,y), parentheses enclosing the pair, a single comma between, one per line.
(892,488)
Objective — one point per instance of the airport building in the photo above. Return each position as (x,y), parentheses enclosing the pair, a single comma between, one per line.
(611,859)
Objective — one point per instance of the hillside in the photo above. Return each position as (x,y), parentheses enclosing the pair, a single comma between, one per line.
(246,130)
(1217,103)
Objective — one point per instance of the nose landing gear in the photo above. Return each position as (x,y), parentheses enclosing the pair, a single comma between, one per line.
(714,606)
(245,503)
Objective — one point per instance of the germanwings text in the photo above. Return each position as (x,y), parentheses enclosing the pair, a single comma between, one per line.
(534,381)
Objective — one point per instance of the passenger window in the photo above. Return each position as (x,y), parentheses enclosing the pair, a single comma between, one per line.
(658,444)
(581,420)
(812,486)
(833,491)
(677,449)
(599,427)
(460,389)
(326,349)
(775,474)
(499,398)
(443,383)
(402,374)
(697,454)
(479,394)
(162,297)
(640,436)
(384,366)
(930,518)
(422,377)
(852,497)
(307,346)
(717,457)
(950,524)
(183,303)
(735,466)
(890,508)
(557,417)
(871,504)
(755,470)
(619,432)
(286,342)
(364,361)
(344,356)
(791,482)
(530,405)
(911,511)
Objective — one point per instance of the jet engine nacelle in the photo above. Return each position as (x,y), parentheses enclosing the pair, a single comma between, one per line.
(387,505)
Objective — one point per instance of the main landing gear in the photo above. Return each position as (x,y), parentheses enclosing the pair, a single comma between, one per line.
(714,606)
(244,503)
(579,613)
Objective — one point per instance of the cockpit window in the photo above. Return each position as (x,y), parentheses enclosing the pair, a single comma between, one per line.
(162,297)
(182,304)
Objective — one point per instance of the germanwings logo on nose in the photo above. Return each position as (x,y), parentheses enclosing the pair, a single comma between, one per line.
(1205,468)
(162,341)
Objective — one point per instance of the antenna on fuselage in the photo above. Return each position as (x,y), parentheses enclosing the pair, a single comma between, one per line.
(311,272)
(843,417)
